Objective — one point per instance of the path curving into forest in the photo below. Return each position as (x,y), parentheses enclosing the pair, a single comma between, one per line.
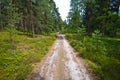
(61,63)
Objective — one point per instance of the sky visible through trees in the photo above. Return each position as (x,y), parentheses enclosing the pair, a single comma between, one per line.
(64,7)
(91,26)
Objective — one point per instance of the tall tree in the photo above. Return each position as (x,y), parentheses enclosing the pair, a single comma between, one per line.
(37,15)
(12,19)
(74,17)
(100,15)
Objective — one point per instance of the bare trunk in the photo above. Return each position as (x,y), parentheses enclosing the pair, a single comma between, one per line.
(25,20)
(2,25)
(11,43)
(1,20)
(31,19)
(119,10)
(88,28)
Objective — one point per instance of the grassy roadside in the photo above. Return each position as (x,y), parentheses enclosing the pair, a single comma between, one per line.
(27,52)
(104,60)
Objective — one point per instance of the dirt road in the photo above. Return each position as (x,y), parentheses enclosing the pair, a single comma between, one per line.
(62,64)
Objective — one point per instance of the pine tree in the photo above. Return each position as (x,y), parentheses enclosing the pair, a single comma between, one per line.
(74,17)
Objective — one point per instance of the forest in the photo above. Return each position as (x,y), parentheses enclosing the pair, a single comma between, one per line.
(28,28)
(93,29)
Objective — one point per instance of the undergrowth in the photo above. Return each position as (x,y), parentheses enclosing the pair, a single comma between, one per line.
(27,51)
(101,54)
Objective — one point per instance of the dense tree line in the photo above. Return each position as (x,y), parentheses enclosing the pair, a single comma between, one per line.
(32,16)
(24,25)
(94,32)
(29,16)
(95,15)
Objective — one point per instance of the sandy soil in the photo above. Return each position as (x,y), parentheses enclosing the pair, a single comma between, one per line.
(61,63)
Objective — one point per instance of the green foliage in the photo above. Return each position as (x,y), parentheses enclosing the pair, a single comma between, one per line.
(101,54)
(96,14)
(74,17)
(13,17)
(93,45)
(47,16)
(29,16)
(112,25)
(81,32)
(100,19)
(98,43)
(28,52)
(113,47)
(11,29)
(96,35)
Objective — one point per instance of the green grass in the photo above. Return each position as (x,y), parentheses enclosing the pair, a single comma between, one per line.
(113,47)
(105,64)
(27,52)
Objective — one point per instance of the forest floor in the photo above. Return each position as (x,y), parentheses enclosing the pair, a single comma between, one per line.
(27,51)
(61,63)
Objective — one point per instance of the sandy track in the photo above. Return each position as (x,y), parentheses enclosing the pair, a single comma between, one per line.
(62,64)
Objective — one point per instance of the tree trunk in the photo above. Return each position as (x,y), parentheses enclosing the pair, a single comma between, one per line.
(11,44)
(25,20)
(2,25)
(1,19)
(31,19)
